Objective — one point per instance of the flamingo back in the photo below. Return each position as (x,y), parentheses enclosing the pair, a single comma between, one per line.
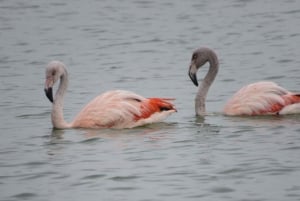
(122,109)
(260,98)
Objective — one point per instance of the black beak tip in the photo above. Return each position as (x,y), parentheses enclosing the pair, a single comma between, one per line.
(194,79)
(49,94)
(196,83)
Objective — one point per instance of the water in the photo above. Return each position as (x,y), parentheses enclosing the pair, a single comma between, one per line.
(145,46)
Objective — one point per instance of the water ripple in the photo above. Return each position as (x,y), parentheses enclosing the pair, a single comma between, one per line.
(93,177)
(123,188)
(25,196)
(222,189)
(124,178)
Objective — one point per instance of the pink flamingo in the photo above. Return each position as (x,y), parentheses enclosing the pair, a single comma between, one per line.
(113,109)
(260,98)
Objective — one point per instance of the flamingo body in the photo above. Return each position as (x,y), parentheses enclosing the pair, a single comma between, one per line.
(122,109)
(262,98)
(113,109)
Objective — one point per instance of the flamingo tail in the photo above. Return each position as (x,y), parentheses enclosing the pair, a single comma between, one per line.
(155,105)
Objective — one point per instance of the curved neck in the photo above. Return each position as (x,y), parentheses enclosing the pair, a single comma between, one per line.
(57,114)
(206,83)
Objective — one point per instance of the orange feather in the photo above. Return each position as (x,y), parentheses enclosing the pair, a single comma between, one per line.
(153,105)
(276,107)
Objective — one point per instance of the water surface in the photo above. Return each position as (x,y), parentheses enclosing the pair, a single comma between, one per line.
(145,47)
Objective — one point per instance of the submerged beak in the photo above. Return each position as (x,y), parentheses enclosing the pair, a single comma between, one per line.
(49,94)
(193,73)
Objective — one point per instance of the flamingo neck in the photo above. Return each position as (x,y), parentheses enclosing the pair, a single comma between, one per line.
(206,83)
(57,114)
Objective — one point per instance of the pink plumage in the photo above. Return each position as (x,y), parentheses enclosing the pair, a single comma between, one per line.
(122,109)
(113,109)
(260,98)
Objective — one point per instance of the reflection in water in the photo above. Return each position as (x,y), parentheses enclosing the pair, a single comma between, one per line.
(145,131)
(57,142)
(200,121)
(261,121)
(204,125)
(57,133)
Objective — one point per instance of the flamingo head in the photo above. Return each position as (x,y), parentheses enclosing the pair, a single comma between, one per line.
(54,71)
(199,58)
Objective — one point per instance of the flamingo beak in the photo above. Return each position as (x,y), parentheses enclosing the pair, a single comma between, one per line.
(49,94)
(48,88)
(193,73)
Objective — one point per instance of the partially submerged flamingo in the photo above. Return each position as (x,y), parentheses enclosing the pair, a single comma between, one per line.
(113,109)
(260,98)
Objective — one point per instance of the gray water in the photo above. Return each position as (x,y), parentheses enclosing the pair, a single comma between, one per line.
(145,46)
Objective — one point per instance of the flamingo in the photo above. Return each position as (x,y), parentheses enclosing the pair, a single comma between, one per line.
(113,109)
(260,98)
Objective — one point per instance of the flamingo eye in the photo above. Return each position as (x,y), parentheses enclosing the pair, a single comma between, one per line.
(53,73)
(194,57)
